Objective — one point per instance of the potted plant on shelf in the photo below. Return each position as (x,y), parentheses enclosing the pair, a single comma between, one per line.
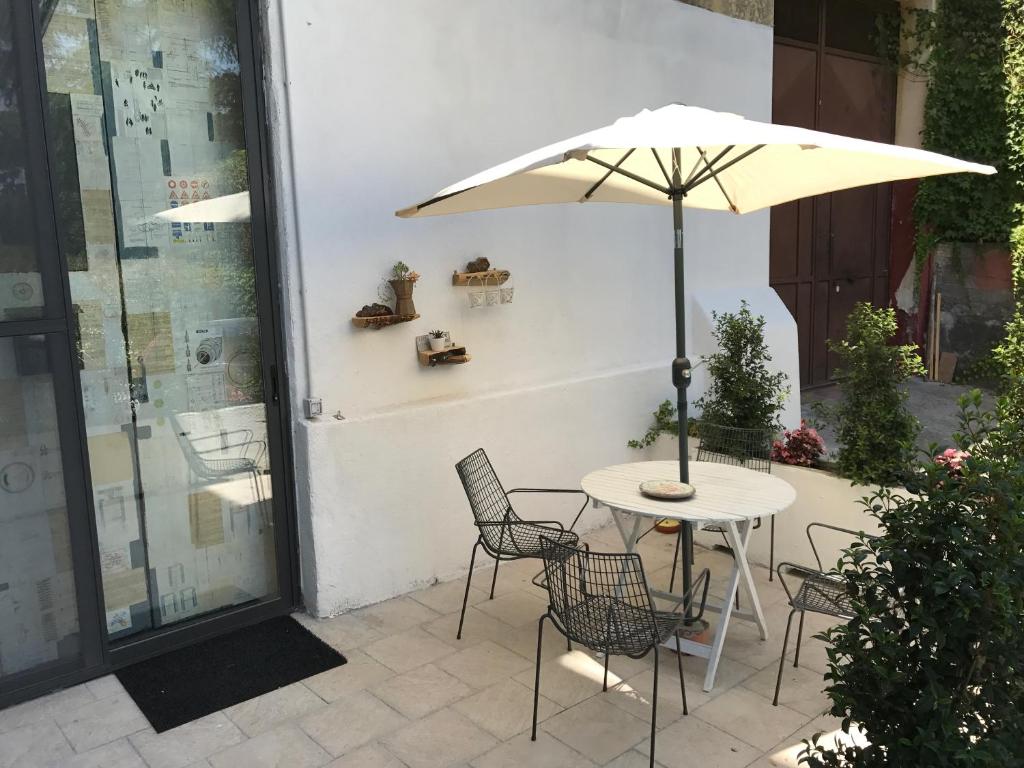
(402,281)
(438,340)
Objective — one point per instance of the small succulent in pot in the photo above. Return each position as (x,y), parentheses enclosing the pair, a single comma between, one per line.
(438,340)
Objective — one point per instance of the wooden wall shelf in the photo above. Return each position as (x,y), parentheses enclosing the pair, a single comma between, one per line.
(490,277)
(454,355)
(382,321)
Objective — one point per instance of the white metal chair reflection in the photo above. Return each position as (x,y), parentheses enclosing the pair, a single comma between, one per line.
(223,455)
(601,601)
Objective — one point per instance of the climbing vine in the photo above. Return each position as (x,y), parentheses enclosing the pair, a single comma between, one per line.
(966,115)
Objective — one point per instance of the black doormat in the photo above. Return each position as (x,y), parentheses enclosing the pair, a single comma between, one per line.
(184,685)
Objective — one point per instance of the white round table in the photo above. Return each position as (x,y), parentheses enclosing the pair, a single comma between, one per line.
(728,496)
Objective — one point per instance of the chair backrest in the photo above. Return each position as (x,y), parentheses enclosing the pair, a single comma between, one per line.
(601,600)
(750,448)
(486,495)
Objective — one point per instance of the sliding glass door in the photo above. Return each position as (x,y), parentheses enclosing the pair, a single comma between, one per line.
(150,126)
(48,627)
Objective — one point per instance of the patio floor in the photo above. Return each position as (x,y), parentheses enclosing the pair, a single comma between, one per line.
(412,695)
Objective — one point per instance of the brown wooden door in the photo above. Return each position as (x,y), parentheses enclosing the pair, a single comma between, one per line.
(829,252)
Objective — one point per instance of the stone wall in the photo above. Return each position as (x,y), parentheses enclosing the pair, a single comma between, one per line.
(977,297)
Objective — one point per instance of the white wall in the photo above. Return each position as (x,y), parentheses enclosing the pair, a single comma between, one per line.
(379,104)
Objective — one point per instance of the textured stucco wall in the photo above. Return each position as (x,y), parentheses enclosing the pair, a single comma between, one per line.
(375,105)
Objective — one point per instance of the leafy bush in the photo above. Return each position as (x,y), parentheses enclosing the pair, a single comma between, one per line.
(931,667)
(1010,353)
(801,447)
(742,392)
(874,429)
(665,421)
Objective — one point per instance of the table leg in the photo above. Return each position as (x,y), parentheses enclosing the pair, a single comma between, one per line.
(629,538)
(739,536)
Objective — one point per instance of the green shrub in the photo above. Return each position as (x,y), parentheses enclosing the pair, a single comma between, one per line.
(1010,353)
(931,667)
(665,422)
(742,391)
(874,429)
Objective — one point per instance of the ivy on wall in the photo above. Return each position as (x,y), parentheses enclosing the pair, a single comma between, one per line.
(966,115)
(1010,353)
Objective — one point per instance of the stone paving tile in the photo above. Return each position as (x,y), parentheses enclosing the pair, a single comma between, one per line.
(116,754)
(45,708)
(408,650)
(284,747)
(545,752)
(447,597)
(691,742)
(343,633)
(476,628)
(395,615)
(187,743)
(597,729)
(36,745)
(802,688)
(370,756)
(100,722)
(421,691)
(569,678)
(746,715)
(103,687)
(271,709)
(439,740)
(506,709)
(516,609)
(350,722)
(360,672)
(484,664)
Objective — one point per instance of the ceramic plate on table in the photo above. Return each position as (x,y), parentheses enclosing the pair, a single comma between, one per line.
(671,490)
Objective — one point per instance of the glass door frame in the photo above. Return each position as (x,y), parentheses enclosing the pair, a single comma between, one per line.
(57,325)
(115,654)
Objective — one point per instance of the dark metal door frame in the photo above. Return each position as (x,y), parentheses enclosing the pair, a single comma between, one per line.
(104,656)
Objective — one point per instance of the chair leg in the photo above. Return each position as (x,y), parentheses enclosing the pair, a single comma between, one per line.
(536,677)
(465,597)
(494,578)
(606,657)
(799,634)
(654,705)
(675,559)
(682,682)
(771,552)
(782,661)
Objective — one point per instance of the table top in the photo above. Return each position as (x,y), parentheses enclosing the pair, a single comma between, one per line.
(724,492)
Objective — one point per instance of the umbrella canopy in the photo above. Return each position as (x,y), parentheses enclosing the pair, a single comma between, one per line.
(687,156)
(728,163)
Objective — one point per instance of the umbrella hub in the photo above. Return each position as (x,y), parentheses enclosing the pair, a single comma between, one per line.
(681,369)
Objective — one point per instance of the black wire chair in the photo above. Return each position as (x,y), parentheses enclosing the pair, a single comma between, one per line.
(503,534)
(819,592)
(749,448)
(601,601)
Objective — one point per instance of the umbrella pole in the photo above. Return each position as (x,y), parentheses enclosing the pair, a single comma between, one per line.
(681,366)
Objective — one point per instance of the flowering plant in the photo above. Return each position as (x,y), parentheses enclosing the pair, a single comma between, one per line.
(801,447)
(952,459)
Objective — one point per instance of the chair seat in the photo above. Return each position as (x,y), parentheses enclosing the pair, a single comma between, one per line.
(614,626)
(522,539)
(820,593)
(228,466)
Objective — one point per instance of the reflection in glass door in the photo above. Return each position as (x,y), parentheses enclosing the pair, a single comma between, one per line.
(41,635)
(150,164)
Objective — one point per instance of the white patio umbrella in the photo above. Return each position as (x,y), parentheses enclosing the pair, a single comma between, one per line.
(688,156)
